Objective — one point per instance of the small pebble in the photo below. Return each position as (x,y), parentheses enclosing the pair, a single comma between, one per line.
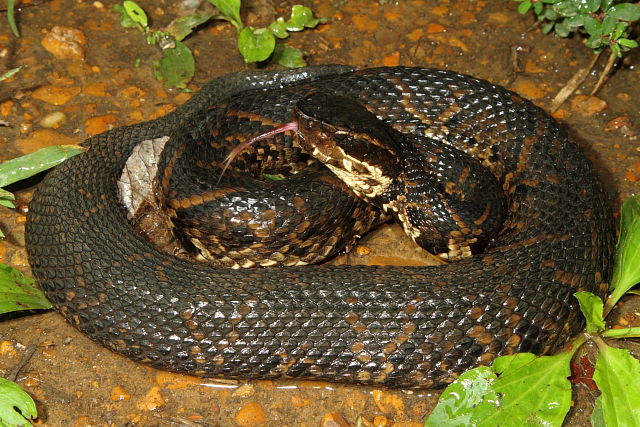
(118,393)
(251,414)
(53,120)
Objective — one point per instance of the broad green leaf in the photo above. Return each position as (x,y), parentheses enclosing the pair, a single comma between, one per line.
(529,390)
(593,26)
(301,18)
(288,56)
(562,29)
(605,4)
(182,27)
(597,415)
(524,7)
(177,66)
(617,375)
(532,390)
(566,8)
(458,402)
(26,166)
(550,14)
(587,6)
(592,308)
(626,268)
(10,73)
(537,8)
(125,20)
(547,27)
(625,12)
(136,13)
(231,10)
(279,28)
(576,21)
(18,293)
(594,42)
(256,45)
(608,25)
(12,400)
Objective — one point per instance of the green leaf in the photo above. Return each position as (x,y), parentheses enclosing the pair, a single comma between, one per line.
(594,42)
(619,30)
(136,13)
(528,390)
(566,8)
(597,415)
(524,7)
(592,308)
(23,167)
(10,73)
(605,5)
(617,375)
(256,45)
(576,21)
(177,66)
(608,25)
(182,27)
(16,406)
(628,43)
(231,10)
(626,268)
(547,27)
(6,198)
(622,333)
(458,402)
(537,8)
(279,28)
(593,26)
(587,6)
(562,29)
(625,12)
(533,390)
(18,293)
(592,5)
(301,18)
(125,20)
(11,17)
(288,56)
(550,14)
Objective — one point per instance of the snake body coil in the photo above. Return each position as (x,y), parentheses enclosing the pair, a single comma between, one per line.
(393,326)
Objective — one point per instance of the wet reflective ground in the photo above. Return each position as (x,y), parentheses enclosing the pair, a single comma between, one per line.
(81,80)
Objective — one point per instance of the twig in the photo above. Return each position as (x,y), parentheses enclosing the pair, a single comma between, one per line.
(574,82)
(606,72)
(13,373)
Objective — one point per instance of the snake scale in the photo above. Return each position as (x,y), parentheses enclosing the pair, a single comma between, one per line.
(410,327)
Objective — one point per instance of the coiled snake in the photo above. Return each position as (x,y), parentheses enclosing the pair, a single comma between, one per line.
(393,326)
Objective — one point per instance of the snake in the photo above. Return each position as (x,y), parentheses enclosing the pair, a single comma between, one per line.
(387,326)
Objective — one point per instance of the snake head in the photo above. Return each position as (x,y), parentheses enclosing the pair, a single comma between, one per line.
(351,141)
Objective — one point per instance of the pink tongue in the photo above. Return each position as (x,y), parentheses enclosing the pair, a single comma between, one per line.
(240,147)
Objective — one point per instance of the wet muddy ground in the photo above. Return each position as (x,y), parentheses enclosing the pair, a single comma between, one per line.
(92,85)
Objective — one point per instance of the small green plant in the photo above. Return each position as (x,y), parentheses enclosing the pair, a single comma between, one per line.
(16,406)
(523,389)
(177,65)
(15,170)
(606,23)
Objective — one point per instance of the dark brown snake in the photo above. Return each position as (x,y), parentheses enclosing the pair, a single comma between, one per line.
(413,327)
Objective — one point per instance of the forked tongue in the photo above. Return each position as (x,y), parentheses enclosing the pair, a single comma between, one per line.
(240,147)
